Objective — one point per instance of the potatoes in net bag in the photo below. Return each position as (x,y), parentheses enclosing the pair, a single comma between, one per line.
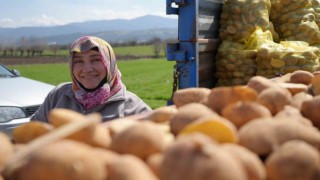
(239,18)
(295,20)
(257,38)
(278,59)
(234,65)
(316,8)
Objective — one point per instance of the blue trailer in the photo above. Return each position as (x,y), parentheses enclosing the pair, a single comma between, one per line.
(198,41)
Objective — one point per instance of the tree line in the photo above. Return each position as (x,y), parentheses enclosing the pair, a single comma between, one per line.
(30,47)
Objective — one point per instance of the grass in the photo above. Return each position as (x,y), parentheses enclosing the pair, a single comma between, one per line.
(63,52)
(150,79)
(136,50)
(49,73)
(139,50)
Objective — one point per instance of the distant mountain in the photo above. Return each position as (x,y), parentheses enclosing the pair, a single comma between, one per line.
(118,36)
(140,29)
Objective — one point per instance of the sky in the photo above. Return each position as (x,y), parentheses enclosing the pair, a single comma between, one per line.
(21,13)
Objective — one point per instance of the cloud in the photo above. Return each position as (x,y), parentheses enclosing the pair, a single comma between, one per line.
(7,22)
(113,14)
(60,12)
(43,20)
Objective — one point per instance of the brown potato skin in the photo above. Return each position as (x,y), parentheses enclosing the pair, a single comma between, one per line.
(29,131)
(162,114)
(188,114)
(190,95)
(293,160)
(275,99)
(242,112)
(142,140)
(264,135)
(299,98)
(300,76)
(294,88)
(260,83)
(310,110)
(6,149)
(315,85)
(154,162)
(59,117)
(250,162)
(220,97)
(96,135)
(129,167)
(100,138)
(195,158)
(292,114)
(116,126)
(64,159)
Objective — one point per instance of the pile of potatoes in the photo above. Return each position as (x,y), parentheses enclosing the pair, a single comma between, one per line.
(267,129)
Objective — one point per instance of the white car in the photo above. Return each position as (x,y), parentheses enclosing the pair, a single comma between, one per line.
(20,97)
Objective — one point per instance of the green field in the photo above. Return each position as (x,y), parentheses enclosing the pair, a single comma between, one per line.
(150,79)
(136,50)
(147,50)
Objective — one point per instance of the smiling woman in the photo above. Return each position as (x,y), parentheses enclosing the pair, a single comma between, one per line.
(83,65)
(96,84)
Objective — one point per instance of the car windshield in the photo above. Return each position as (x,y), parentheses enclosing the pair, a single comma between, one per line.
(4,72)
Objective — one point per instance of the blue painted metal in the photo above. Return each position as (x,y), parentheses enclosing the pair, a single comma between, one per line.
(185,51)
(198,39)
(187,21)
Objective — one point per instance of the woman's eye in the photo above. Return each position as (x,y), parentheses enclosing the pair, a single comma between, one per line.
(98,59)
(77,61)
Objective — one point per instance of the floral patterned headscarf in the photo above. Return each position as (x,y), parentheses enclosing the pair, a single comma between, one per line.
(113,79)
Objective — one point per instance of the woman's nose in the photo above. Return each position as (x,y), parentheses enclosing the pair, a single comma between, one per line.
(87,67)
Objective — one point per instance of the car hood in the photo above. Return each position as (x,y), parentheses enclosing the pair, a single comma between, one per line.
(20,91)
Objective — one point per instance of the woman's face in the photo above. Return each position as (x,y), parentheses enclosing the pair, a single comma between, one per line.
(88,68)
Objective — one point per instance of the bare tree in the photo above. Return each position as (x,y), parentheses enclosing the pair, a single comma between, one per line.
(157,46)
(7,48)
(22,45)
(37,46)
(54,47)
(1,48)
(132,42)
(11,50)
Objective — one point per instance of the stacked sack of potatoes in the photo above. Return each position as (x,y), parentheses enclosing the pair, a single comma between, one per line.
(231,70)
(268,129)
(240,18)
(295,20)
(316,7)
(272,58)
(286,57)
